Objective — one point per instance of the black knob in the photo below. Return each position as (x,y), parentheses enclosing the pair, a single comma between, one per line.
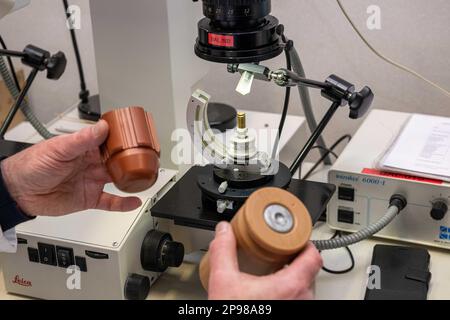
(439,210)
(360,102)
(173,252)
(137,287)
(159,251)
(56,66)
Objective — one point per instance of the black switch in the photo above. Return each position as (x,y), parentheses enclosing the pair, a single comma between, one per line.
(47,254)
(33,254)
(81,263)
(346,216)
(346,193)
(64,257)
(96,255)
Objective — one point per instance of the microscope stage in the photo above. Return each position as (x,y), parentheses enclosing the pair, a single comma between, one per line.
(183,202)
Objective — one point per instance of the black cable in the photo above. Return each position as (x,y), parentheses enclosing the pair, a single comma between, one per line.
(284,113)
(326,149)
(84,93)
(10,64)
(334,146)
(350,254)
(287,99)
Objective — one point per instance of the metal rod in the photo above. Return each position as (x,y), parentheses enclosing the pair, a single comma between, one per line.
(11,64)
(76,50)
(9,118)
(11,53)
(305,99)
(311,83)
(315,135)
(300,81)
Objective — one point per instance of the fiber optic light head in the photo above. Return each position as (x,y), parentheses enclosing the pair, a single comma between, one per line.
(238,31)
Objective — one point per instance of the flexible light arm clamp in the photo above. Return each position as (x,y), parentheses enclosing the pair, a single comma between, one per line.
(39,60)
(339,91)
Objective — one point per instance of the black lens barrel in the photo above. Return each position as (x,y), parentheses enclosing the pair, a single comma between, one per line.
(236,13)
(238,31)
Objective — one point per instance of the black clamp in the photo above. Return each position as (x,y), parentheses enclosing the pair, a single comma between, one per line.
(343,92)
(41,60)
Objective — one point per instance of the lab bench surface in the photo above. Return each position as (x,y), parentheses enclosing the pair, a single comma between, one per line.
(183,283)
(175,284)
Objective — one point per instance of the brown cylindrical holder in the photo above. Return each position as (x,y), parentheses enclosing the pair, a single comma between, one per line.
(131,151)
(271,229)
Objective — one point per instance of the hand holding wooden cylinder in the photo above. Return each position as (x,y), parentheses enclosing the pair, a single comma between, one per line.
(131,151)
(271,229)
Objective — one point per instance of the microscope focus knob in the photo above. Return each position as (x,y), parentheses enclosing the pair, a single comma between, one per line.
(173,252)
(159,251)
(439,210)
(137,287)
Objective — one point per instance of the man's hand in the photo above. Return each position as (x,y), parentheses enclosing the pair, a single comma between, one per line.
(63,175)
(226,282)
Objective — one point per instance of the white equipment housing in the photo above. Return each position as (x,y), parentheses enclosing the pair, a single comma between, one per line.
(115,237)
(363,193)
(144,52)
(9,6)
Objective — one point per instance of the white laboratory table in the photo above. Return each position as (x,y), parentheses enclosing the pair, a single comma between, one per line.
(183,282)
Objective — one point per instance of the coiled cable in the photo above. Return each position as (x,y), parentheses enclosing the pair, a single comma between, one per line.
(396,204)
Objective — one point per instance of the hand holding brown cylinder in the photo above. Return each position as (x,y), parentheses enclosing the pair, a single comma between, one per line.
(131,151)
(271,229)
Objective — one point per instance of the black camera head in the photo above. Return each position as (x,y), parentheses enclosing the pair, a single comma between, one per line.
(238,31)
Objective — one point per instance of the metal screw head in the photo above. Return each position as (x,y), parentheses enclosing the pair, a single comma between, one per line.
(223,187)
(279,218)
(115,244)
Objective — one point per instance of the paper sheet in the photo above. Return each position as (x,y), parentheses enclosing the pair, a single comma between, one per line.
(421,149)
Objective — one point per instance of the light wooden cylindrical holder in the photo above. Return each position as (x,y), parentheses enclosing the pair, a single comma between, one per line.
(262,248)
